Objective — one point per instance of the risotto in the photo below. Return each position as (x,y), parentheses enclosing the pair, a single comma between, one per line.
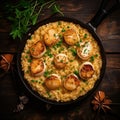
(61,61)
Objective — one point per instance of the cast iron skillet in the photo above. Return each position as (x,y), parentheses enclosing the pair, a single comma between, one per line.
(91,27)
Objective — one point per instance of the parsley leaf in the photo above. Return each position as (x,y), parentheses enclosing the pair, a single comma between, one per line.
(25,13)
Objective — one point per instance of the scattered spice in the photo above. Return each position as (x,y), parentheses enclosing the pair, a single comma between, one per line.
(101,102)
(23,100)
(5,62)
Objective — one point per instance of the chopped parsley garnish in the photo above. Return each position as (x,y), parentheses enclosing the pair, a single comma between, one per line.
(54,35)
(92,58)
(85,51)
(68,26)
(60,36)
(32,49)
(58,44)
(77,44)
(29,60)
(32,80)
(71,60)
(96,55)
(37,81)
(74,52)
(28,52)
(76,72)
(47,73)
(48,52)
(61,61)
(80,40)
(48,93)
(26,56)
(61,49)
(85,35)
(27,72)
(63,30)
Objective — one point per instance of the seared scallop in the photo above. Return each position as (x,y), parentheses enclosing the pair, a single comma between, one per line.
(86,70)
(71,37)
(84,51)
(38,49)
(53,82)
(51,37)
(60,60)
(71,82)
(37,67)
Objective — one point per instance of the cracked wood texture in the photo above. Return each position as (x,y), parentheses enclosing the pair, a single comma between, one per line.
(109,33)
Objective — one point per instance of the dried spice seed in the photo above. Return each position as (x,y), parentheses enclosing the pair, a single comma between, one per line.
(5,62)
(101,102)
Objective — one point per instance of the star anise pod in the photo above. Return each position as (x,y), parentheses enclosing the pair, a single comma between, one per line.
(101,102)
(5,61)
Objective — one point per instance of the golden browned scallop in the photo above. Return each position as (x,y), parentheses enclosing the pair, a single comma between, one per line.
(51,37)
(71,37)
(38,49)
(60,60)
(71,82)
(53,82)
(84,51)
(86,70)
(37,67)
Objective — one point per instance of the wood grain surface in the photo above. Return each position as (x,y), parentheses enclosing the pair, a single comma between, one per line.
(109,33)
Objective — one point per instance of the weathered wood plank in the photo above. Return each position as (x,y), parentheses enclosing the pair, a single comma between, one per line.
(113,61)
(109,32)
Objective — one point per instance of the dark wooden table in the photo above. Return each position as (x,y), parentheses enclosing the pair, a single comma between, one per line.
(108,31)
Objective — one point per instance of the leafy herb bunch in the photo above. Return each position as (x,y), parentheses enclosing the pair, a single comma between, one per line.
(25,13)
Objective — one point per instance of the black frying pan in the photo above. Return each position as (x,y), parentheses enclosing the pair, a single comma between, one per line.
(91,27)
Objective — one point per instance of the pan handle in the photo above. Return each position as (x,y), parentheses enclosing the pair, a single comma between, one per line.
(106,7)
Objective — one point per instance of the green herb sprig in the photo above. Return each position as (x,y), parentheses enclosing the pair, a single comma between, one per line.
(25,13)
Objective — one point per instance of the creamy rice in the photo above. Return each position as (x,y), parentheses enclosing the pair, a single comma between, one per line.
(74,62)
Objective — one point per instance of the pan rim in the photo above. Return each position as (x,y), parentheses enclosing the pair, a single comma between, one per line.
(75,21)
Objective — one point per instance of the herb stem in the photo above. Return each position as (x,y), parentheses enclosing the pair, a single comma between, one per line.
(33,9)
(41,7)
(51,5)
(57,10)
